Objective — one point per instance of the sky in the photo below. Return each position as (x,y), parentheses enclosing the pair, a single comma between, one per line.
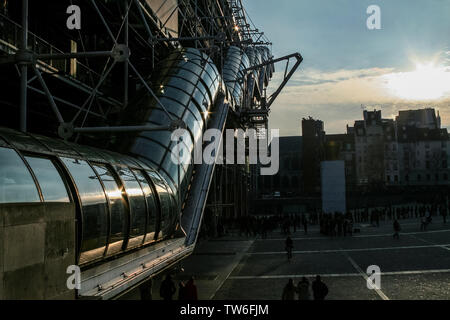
(347,67)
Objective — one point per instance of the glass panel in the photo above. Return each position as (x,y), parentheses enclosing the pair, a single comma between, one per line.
(172,106)
(118,209)
(148,149)
(137,206)
(180,84)
(57,146)
(192,123)
(16,182)
(165,211)
(52,186)
(187,75)
(152,210)
(201,100)
(196,111)
(86,152)
(176,94)
(162,196)
(157,116)
(203,89)
(211,69)
(163,137)
(94,209)
(24,141)
(194,67)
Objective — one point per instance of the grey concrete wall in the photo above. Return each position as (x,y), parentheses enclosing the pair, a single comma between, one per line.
(37,244)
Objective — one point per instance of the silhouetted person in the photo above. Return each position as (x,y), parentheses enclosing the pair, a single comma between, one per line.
(181,291)
(146,290)
(423,224)
(167,289)
(289,245)
(191,290)
(305,224)
(320,289)
(289,291)
(396,229)
(303,289)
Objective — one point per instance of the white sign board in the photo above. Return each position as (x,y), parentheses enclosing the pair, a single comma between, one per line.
(333,186)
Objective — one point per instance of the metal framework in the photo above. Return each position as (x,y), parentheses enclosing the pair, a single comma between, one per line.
(79,92)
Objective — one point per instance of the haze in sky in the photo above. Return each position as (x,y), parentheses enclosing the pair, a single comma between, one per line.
(404,65)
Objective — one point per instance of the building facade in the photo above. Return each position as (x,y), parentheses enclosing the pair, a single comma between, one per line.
(408,151)
(313,152)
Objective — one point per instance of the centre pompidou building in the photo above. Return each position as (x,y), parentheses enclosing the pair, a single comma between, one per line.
(90,93)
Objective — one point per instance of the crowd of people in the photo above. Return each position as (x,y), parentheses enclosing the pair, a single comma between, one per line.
(331,224)
(302,290)
(186,291)
(339,224)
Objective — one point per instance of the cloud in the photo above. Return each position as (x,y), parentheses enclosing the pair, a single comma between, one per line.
(336,98)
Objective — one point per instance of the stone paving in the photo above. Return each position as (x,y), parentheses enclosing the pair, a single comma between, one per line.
(415,267)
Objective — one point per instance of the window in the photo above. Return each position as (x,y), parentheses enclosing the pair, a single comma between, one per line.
(445,176)
(428,177)
(52,186)
(117,208)
(407,178)
(419,177)
(388,178)
(165,202)
(16,182)
(94,208)
(427,164)
(137,206)
(396,178)
(151,203)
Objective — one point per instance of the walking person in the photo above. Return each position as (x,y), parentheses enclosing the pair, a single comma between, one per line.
(289,291)
(305,224)
(397,229)
(191,290)
(303,289)
(444,214)
(320,289)
(167,289)
(289,245)
(181,291)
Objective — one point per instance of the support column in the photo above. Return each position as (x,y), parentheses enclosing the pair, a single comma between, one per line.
(24,68)
(125,64)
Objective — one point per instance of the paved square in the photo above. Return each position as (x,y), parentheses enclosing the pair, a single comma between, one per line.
(417,266)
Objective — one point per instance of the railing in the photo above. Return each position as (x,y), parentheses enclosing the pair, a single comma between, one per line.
(11,33)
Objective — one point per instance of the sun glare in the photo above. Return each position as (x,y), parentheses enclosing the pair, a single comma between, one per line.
(427,82)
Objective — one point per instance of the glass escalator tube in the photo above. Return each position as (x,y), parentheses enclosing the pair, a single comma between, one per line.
(186,84)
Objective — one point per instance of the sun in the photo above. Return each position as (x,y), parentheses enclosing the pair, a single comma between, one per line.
(427,82)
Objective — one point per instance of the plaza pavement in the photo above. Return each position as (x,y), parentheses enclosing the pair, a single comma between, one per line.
(238,268)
